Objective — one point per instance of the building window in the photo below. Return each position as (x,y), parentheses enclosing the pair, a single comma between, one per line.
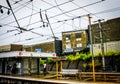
(68,46)
(78,35)
(67,38)
(79,45)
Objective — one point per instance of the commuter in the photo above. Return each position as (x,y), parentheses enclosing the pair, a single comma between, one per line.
(44,70)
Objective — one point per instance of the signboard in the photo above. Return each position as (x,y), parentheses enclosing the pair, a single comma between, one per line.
(39,50)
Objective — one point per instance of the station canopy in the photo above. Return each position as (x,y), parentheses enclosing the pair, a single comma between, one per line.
(26,54)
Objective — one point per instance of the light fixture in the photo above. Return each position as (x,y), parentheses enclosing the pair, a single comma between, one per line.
(1,10)
(0,25)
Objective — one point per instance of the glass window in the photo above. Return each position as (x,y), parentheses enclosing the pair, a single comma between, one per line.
(78,35)
(79,45)
(68,46)
(67,37)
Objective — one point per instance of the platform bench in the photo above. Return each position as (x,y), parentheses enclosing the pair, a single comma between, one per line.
(69,73)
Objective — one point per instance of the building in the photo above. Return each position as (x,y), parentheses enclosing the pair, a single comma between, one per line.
(74,41)
(111,35)
(17,62)
(48,47)
(11,47)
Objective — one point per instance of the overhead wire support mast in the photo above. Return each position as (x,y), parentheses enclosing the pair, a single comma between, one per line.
(4,7)
(13,15)
(91,43)
(102,43)
(59,14)
(50,26)
(18,22)
(51,31)
(41,11)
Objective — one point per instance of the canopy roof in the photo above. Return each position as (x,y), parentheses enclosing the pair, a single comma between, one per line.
(25,54)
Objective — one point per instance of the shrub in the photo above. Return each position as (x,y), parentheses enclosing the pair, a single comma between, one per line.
(50,60)
(42,61)
(112,53)
(77,56)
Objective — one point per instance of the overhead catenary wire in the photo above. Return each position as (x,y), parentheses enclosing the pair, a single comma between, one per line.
(102,12)
(73,9)
(66,12)
(63,10)
(15,10)
(40,40)
(50,25)
(13,13)
(77,8)
(21,29)
(39,12)
(1,6)
(85,10)
(31,15)
(60,13)
(28,6)
(105,11)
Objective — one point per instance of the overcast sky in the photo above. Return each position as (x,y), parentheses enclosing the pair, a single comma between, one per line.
(63,15)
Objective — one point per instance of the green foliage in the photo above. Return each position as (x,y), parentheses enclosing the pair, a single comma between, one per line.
(50,60)
(97,63)
(42,61)
(71,57)
(89,55)
(85,65)
(98,54)
(77,56)
(109,53)
(83,56)
(112,53)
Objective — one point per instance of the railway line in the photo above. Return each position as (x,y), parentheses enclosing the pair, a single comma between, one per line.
(82,78)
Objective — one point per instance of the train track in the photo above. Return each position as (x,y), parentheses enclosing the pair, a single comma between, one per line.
(108,78)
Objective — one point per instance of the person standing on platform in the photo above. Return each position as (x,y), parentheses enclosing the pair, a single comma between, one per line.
(44,70)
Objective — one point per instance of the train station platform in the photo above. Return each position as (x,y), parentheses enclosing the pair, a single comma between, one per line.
(23,79)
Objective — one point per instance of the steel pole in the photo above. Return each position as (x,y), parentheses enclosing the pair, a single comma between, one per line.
(102,44)
(91,42)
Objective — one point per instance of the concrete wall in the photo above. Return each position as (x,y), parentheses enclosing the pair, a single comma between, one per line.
(115,46)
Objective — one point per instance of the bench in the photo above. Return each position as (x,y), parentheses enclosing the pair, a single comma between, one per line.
(69,72)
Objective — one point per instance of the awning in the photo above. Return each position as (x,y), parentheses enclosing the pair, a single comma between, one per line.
(25,54)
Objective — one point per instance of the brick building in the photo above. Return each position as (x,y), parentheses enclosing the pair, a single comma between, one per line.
(48,47)
(74,41)
(111,35)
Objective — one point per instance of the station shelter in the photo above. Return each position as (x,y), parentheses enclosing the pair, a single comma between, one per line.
(21,62)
